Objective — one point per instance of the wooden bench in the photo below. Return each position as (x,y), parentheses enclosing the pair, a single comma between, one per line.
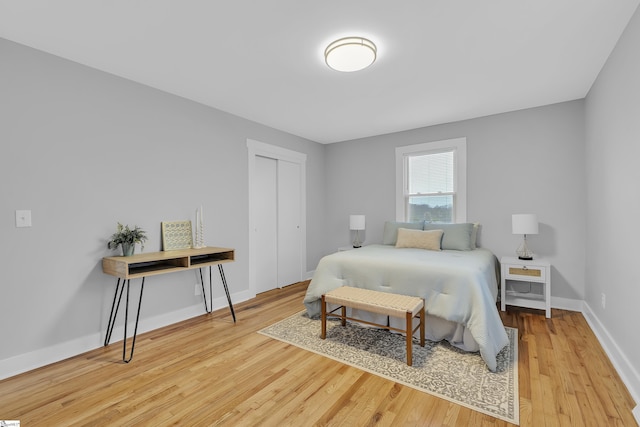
(389,304)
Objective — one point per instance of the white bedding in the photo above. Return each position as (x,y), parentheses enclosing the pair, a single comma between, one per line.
(459,287)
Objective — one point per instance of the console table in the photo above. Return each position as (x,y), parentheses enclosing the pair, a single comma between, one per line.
(153,264)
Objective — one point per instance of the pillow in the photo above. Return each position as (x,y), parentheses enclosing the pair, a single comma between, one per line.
(408,238)
(390,234)
(474,235)
(456,236)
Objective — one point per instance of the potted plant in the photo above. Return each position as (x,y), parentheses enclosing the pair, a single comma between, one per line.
(127,238)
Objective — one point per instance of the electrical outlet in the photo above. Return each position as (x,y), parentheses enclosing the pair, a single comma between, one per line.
(198,290)
(23,218)
(603,300)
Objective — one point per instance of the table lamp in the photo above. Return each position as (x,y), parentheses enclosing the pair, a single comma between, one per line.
(356,222)
(524,224)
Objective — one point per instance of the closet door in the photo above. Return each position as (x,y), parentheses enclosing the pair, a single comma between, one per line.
(277,216)
(289,216)
(266,217)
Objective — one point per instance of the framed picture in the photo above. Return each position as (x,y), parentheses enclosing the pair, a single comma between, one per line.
(176,235)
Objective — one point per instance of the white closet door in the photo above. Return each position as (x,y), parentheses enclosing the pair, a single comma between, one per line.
(277,217)
(289,217)
(266,215)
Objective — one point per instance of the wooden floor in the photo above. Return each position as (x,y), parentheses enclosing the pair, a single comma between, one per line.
(207,371)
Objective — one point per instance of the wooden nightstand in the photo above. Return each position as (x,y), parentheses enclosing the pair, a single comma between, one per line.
(537,273)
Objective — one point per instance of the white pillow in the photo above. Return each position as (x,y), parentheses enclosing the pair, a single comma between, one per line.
(456,236)
(474,235)
(390,235)
(429,240)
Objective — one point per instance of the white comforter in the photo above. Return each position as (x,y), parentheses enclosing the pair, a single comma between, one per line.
(459,286)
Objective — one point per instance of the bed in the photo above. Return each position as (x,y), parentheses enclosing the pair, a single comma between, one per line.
(460,287)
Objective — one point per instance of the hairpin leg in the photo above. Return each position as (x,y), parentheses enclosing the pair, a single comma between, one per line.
(226,290)
(135,330)
(112,316)
(204,294)
(210,290)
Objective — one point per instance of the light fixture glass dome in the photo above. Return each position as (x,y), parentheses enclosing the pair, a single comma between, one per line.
(350,54)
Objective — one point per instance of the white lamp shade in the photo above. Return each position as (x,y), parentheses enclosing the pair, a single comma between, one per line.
(524,224)
(356,222)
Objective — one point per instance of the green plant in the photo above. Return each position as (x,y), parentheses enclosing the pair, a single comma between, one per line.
(124,234)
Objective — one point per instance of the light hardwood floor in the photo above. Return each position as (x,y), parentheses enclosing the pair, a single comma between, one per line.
(207,371)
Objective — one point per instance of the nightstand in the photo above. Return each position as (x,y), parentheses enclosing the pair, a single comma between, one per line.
(515,273)
(346,248)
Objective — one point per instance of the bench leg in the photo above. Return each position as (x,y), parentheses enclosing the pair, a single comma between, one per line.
(344,315)
(323,334)
(409,337)
(422,326)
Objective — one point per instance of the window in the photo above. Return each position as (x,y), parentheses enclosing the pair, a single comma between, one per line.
(431,182)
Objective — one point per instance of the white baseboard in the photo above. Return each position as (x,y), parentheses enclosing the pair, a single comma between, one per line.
(620,362)
(566,304)
(636,413)
(35,359)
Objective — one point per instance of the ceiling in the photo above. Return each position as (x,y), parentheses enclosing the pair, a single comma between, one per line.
(438,60)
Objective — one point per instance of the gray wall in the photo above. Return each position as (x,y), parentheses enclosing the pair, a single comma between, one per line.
(530,161)
(83,150)
(613,150)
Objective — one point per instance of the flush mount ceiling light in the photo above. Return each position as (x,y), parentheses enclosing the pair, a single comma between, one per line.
(350,54)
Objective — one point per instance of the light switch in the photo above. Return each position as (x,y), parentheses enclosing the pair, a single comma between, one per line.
(23,218)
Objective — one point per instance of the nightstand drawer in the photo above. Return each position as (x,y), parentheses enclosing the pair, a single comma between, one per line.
(527,273)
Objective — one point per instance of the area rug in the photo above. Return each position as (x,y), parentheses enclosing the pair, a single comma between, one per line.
(438,368)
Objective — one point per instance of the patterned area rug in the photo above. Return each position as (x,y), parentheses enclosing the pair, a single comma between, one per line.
(438,368)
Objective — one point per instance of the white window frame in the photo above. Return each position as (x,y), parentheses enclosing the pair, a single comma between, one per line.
(459,148)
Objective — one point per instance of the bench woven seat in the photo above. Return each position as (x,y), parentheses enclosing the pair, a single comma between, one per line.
(377,302)
(385,303)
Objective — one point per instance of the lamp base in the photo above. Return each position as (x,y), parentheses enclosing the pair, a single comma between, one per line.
(523,251)
(356,242)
